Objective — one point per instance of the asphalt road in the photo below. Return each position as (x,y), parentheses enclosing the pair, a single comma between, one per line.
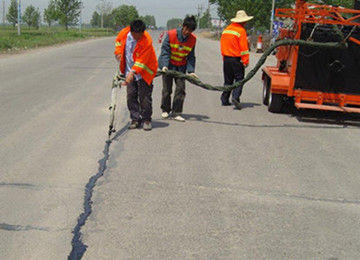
(226,184)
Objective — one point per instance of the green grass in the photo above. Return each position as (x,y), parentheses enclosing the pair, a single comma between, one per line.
(10,41)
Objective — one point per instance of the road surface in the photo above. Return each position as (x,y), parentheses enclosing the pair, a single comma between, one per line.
(226,184)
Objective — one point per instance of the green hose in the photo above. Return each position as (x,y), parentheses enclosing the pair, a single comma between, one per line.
(197,82)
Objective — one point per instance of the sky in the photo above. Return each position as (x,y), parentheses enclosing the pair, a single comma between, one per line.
(163,10)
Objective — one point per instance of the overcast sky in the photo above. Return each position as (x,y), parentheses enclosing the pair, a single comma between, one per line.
(163,10)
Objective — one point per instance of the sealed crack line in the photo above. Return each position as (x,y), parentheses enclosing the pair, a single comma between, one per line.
(78,247)
(8,227)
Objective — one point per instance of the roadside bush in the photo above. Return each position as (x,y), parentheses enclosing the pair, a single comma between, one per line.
(10,41)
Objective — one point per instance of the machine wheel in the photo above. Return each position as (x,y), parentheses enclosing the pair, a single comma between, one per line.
(275,102)
(266,90)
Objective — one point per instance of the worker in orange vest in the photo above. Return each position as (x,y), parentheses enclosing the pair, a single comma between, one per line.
(235,52)
(137,58)
(177,53)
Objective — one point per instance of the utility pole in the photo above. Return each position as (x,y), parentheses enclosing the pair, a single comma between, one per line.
(80,22)
(200,7)
(4,14)
(80,16)
(102,20)
(102,10)
(209,16)
(272,18)
(19,16)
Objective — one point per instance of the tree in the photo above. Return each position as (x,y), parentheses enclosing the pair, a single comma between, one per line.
(69,12)
(108,20)
(260,9)
(12,15)
(95,19)
(343,3)
(36,19)
(51,13)
(174,23)
(124,14)
(32,16)
(104,9)
(204,20)
(149,20)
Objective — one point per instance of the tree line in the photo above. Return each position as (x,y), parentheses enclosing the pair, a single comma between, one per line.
(261,9)
(106,16)
(65,12)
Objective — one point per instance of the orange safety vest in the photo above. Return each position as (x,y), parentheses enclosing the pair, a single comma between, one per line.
(145,61)
(234,42)
(180,50)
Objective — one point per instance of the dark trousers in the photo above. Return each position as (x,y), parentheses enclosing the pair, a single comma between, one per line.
(179,96)
(139,100)
(233,71)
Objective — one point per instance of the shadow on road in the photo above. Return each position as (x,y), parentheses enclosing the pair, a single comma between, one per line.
(195,117)
(306,117)
(122,131)
(322,116)
(158,124)
(245,105)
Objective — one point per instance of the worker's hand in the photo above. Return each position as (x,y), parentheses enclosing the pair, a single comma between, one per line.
(246,65)
(193,75)
(164,69)
(129,78)
(118,57)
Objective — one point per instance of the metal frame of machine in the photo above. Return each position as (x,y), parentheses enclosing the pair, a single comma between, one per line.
(279,80)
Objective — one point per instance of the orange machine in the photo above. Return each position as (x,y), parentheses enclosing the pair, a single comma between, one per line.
(325,79)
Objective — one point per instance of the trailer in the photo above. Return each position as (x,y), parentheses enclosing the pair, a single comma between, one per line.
(316,78)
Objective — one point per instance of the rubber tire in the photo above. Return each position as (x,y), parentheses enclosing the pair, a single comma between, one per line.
(266,90)
(275,103)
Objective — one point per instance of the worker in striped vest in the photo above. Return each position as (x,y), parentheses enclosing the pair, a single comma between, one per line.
(135,53)
(235,52)
(177,53)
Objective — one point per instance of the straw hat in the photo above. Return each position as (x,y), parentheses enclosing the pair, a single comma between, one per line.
(241,17)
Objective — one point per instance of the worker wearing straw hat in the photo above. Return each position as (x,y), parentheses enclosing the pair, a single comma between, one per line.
(235,52)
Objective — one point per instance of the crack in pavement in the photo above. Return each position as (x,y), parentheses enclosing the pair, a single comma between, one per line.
(78,247)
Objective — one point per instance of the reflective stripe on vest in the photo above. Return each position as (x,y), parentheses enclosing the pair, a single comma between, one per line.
(244,53)
(143,66)
(179,54)
(231,32)
(175,58)
(173,45)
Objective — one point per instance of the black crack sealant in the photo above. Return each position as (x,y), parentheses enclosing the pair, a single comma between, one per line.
(78,247)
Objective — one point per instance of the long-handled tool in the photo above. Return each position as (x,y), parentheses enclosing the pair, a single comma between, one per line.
(116,84)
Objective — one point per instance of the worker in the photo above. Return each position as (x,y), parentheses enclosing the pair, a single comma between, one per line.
(137,58)
(235,52)
(177,53)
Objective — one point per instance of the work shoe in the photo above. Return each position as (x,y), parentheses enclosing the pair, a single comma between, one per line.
(147,126)
(236,103)
(179,118)
(165,115)
(226,103)
(134,124)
